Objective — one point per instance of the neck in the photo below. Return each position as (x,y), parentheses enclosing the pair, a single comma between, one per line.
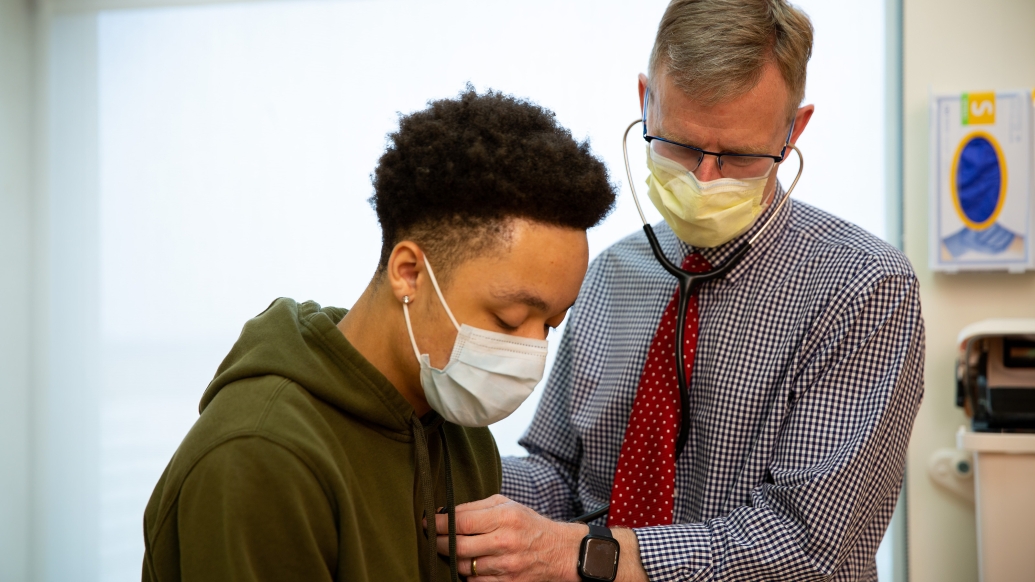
(375,327)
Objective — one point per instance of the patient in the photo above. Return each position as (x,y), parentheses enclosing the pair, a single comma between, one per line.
(327,435)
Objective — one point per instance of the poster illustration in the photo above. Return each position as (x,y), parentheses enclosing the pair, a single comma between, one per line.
(981,182)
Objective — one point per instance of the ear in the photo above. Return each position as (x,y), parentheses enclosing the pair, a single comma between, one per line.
(801,119)
(643,89)
(404,265)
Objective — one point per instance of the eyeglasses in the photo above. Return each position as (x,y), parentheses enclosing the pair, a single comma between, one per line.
(731,165)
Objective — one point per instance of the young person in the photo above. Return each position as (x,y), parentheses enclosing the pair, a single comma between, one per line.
(329,435)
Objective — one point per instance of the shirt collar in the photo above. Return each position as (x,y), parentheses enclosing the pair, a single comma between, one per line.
(676,249)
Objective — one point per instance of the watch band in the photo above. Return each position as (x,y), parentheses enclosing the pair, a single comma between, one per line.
(600,531)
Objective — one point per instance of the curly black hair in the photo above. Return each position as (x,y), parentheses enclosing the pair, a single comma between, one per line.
(456,172)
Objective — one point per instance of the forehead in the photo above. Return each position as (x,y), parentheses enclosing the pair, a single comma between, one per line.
(541,266)
(744,123)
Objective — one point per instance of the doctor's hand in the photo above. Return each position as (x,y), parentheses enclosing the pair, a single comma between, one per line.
(513,543)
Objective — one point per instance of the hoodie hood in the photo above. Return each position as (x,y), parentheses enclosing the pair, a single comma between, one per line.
(301,342)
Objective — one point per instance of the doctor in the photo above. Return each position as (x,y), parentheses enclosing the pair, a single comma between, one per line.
(804,361)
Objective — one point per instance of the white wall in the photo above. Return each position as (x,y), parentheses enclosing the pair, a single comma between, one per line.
(67,358)
(16,115)
(843,144)
(953,46)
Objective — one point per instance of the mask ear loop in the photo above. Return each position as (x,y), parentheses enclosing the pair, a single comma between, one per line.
(409,326)
(406,309)
(434,282)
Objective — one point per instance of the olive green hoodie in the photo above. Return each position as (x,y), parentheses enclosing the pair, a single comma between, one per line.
(307,464)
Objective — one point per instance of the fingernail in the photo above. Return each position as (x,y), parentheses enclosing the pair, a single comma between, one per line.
(440,510)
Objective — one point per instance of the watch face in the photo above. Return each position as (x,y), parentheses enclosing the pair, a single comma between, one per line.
(599,560)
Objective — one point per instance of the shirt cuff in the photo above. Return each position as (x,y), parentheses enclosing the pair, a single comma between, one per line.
(674,552)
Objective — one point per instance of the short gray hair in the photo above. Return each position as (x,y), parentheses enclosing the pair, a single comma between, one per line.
(717,49)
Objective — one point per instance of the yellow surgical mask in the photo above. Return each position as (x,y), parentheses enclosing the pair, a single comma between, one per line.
(703,214)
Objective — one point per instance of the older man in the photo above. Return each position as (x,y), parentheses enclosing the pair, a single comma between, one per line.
(803,362)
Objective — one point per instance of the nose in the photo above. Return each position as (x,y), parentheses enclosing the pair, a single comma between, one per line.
(709,169)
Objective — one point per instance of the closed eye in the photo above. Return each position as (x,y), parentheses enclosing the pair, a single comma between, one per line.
(505,325)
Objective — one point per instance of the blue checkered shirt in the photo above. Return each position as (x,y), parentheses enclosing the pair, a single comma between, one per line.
(807,378)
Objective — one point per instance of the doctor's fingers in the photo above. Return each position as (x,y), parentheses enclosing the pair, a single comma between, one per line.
(519,564)
(490,544)
(478,521)
(490,568)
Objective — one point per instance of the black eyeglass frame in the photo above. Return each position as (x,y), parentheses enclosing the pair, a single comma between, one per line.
(718,156)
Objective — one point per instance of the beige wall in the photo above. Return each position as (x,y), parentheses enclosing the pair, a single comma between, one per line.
(952,46)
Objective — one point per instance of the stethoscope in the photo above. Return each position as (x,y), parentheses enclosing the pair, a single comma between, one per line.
(688,284)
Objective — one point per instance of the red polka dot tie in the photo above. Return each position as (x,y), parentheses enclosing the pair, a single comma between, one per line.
(645,478)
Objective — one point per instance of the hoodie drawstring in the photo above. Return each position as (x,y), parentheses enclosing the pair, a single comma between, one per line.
(450,508)
(424,473)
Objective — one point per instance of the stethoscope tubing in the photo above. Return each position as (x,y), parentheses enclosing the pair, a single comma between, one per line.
(687,284)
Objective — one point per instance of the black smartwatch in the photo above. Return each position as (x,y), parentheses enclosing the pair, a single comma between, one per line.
(598,556)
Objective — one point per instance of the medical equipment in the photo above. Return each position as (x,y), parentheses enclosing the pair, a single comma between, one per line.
(688,283)
(995,375)
(995,384)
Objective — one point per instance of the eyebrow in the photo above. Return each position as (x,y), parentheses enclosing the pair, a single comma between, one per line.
(525,297)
